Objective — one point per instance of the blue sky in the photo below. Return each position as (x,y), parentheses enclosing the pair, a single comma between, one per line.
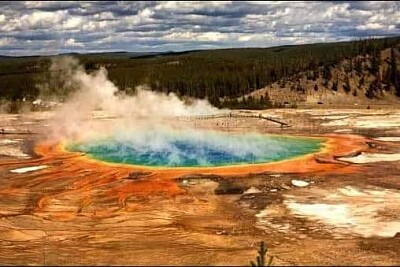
(28,28)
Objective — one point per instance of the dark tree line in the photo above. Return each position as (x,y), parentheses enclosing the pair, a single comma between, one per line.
(211,74)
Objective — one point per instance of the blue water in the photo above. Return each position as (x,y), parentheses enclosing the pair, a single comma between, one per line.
(195,148)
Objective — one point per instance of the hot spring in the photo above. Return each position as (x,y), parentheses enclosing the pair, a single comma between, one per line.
(194,148)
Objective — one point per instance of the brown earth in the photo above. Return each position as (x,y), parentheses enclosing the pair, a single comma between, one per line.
(299,90)
(83,212)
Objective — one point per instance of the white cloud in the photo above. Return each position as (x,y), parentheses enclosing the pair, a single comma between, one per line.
(181,25)
(6,41)
(73,23)
(265,37)
(104,16)
(72,43)
(370,26)
(2,18)
(189,5)
(41,17)
(193,36)
(144,16)
(94,26)
(34,20)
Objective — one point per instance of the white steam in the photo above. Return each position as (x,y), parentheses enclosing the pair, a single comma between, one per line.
(93,92)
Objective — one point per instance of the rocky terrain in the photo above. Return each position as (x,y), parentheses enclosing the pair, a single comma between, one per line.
(59,209)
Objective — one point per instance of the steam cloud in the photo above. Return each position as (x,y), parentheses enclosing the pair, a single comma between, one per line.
(95,95)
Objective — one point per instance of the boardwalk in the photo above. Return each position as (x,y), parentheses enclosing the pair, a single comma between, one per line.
(234,115)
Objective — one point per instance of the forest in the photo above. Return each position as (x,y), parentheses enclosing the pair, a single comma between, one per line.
(221,76)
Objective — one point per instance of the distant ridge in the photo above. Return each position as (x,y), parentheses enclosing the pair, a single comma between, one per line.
(124,54)
(176,53)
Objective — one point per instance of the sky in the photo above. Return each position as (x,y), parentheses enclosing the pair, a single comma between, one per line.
(44,28)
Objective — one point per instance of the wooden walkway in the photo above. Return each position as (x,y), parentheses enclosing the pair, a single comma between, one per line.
(235,115)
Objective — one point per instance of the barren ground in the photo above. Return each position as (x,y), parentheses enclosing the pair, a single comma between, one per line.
(68,211)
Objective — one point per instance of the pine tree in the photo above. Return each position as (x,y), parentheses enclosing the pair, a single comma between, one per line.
(394,74)
(358,66)
(374,65)
(334,86)
(261,257)
(346,85)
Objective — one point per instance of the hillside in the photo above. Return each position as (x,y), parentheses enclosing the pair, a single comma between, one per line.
(354,81)
(268,77)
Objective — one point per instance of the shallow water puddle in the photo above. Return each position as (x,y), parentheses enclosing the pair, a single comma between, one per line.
(371,157)
(389,139)
(344,212)
(300,183)
(8,141)
(12,151)
(364,121)
(29,169)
